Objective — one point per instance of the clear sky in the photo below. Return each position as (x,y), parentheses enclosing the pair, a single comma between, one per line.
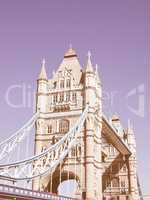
(116,31)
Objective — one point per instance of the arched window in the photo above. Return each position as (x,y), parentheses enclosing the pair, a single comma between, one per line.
(64,126)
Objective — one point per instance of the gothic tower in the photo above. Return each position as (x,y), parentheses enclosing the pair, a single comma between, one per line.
(61,100)
(103,164)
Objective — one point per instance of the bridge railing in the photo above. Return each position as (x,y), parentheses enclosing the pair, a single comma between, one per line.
(21,192)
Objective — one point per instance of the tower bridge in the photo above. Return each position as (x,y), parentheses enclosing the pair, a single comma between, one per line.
(74,140)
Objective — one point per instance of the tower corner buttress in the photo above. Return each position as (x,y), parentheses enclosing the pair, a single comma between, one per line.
(92,135)
(132,162)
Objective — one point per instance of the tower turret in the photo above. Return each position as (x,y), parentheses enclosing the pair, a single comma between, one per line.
(98,169)
(42,89)
(89,67)
(93,151)
(41,104)
(89,82)
(43,74)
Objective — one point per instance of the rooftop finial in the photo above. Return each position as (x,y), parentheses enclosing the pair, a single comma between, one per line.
(130,125)
(89,55)
(70,45)
(71,52)
(43,74)
(43,62)
(89,67)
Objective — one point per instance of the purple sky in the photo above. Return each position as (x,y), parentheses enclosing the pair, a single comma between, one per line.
(117,33)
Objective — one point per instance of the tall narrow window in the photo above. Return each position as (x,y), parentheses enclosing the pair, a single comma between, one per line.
(61,97)
(124,169)
(55,98)
(55,84)
(111,150)
(49,128)
(53,140)
(43,149)
(115,182)
(64,126)
(74,96)
(122,184)
(62,84)
(68,83)
(67,96)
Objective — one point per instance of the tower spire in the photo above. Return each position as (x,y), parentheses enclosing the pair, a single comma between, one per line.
(43,74)
(96,67)
(89,67)
(97,74)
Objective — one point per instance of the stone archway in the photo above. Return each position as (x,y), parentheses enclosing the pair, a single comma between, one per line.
(65,177)
(68,188)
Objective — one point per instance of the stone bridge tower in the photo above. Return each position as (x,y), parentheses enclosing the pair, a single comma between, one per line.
(62,99)
(103,144)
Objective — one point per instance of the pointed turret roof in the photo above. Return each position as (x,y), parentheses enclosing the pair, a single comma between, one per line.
(89,67)
(43,74)
(71,62)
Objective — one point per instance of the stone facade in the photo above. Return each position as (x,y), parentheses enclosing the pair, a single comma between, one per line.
(100,170)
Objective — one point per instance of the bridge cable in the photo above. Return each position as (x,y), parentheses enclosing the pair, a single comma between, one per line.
(27,147)
(9,144)
(31,169)
(18,152)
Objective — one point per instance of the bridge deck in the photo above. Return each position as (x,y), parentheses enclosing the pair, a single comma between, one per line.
(11,192)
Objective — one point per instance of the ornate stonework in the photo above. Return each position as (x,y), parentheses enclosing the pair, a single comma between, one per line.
(104,164)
